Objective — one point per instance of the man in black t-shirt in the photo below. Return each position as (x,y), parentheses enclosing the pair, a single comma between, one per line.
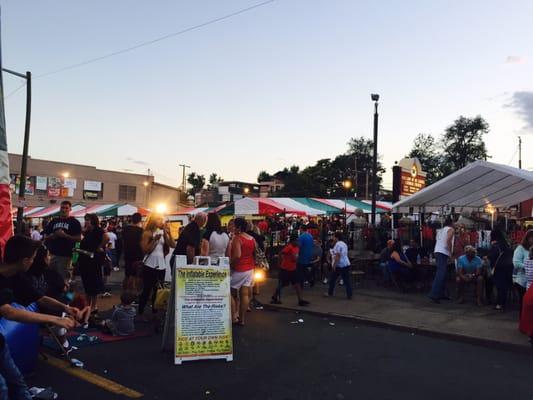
(133,253)
(61,234)
(188,244)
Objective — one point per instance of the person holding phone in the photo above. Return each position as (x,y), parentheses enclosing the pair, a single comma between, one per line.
(156,243)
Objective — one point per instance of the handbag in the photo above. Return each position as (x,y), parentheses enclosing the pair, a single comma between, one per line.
(162,295)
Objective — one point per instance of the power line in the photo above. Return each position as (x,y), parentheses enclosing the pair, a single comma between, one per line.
(15,91)
(512,158)
(159,39)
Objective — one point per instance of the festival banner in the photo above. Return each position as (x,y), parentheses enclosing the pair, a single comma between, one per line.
(203,310)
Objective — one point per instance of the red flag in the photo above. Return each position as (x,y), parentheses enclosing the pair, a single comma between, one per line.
(6,221)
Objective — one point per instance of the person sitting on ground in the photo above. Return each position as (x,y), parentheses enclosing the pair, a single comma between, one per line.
(400,267)
(122,322)
(19,254)
(469,270)
(289,273)
(12,384)
(45,280)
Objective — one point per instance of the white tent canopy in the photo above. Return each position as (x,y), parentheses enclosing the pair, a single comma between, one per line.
(479,185)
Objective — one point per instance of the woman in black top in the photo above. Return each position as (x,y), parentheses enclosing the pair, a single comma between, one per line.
(501,261)
(45,280)
(91,260)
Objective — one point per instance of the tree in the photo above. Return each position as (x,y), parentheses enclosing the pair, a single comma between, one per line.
(214,179)
(264,176)
(425,149)
(324,179)
(197,182)
(361,152)
(462,143)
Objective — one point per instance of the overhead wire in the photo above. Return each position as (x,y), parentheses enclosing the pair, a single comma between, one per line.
(14,91)
(158,39)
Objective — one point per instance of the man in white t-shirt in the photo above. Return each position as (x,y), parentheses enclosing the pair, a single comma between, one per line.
(112,248)
(443,251)
(35,234)
(340,266)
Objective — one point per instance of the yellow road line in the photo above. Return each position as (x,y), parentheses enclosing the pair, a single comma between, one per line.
(90,377)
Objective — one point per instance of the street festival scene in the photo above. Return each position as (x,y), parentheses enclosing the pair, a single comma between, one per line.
(266,200)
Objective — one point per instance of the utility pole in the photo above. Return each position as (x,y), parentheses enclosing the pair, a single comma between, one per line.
(356,183)
(520,152)
(25,149)
(375,99)
(366,186)
(183,182)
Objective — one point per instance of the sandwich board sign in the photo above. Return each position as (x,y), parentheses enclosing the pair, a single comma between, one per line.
(202,310)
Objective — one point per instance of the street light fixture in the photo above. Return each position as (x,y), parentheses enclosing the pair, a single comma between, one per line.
(246,190)
(25,148)
(347,184)
(375,99)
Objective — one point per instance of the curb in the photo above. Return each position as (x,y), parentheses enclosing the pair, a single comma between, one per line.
(456,337)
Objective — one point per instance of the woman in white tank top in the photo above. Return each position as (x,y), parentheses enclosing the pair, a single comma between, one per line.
(155,240)
(443,251)
(214,241)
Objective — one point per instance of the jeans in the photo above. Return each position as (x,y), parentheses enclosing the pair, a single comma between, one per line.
(345,274)
(112,254)
(521,291)
(150,278)
(439,283)
(384,266)
(12,385)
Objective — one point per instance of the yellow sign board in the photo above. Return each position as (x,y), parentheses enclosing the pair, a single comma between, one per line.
(203,311)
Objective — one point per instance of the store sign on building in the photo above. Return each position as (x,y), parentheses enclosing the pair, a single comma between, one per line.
(408,178)
(93,186)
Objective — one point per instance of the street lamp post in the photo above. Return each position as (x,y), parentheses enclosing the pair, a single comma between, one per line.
(347,185)
(24,166)
(375,99)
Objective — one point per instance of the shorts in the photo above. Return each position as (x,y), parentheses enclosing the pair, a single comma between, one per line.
(62,265)
(240,279)
(290,277)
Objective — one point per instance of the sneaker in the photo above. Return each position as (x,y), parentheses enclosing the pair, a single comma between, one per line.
(325,281)
(275,301)
(116,269)
(107,294)
(42,393)
(303,303)
(341,282)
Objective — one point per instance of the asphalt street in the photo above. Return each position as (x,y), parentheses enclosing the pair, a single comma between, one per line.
(319,358)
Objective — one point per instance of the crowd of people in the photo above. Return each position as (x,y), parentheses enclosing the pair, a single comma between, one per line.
(41,267)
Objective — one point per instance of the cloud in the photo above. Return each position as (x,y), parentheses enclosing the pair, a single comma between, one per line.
(522,103)
(514,60)
(138,162)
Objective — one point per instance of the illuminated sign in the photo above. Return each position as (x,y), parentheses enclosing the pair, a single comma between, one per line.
(410,178)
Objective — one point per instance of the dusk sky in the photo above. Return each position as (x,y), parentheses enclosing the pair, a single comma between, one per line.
(285,83)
